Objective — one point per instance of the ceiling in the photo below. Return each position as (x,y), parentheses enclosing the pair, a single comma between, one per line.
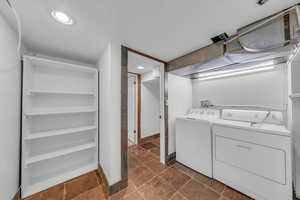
(164,29)
(135,60)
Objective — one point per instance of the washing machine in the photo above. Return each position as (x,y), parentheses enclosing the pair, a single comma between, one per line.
(194,139)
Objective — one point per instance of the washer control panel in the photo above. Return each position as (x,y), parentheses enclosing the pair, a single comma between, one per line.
(201,113)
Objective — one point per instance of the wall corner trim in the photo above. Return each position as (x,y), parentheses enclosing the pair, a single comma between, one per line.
(171,158)
(110,189)
(17,196)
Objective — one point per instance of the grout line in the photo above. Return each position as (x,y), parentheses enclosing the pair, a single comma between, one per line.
(142,164)
(155,175)
(64,192)
(184,186)
(158,175)
(206,185)
(170,183)
(178,192)
(141,194)
(186,173)
(209,187)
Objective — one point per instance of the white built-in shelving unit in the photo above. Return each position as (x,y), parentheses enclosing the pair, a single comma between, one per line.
(59,122)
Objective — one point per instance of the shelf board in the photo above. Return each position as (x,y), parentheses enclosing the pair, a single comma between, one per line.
(49,62)
(54,154)
(57,111)
(295,95)
(32,189)
(52,133)
(61,92)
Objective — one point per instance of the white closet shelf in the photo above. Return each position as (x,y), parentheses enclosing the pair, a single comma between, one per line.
(48,62)
(32,189)
(56,111)
(58,132)
(61,92)
(295,95)
(54,154)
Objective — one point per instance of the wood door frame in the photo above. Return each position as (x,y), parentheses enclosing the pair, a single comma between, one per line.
(138,105)
(124,110)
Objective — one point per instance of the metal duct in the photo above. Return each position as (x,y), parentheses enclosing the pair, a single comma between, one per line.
(271,38)
(269,35)
(202,55)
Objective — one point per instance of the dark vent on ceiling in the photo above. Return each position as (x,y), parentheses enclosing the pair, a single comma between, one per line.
(222,37)
(262,2)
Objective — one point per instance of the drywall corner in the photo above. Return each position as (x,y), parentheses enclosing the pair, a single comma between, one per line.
(178,103)
(110,112)
(10,101)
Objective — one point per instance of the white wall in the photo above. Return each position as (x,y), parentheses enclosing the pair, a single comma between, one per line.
(263,89)
(179,102)
(110,112)
(10,89)
(150,105)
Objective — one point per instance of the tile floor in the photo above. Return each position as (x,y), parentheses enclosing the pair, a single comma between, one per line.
(151,180)
(85,187)
(148,180)
(130,143)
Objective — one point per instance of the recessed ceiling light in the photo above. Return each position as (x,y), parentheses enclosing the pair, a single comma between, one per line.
(62,17)
(140,67)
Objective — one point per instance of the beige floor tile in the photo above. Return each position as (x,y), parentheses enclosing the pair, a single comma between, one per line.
(175,177)
(194,190)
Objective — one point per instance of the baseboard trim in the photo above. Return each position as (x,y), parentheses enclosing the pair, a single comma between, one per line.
(118,186)
(111,189)
(17,196)
(171,158)
(104,179)
(151,137)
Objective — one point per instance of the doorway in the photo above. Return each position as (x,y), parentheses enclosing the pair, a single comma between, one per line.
(144,110)
(145,102)
(132,109)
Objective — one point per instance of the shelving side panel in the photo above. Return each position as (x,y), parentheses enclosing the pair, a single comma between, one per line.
(96,103)
(26,105)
